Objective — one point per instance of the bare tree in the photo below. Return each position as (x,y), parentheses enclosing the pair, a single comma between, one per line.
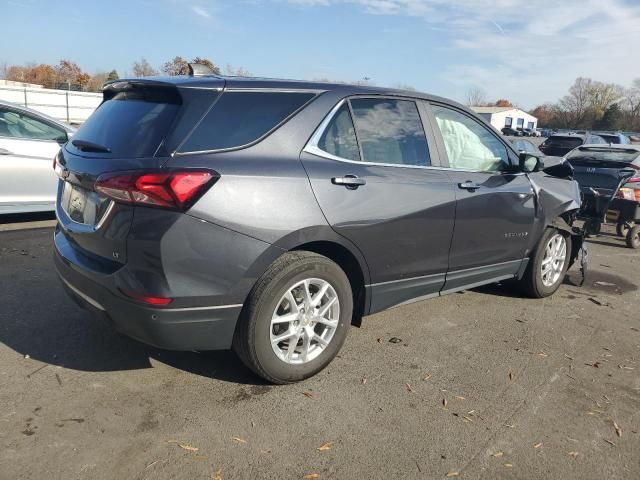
(475,96)
(237,72)
(631,105)
(143,68)
(574,106)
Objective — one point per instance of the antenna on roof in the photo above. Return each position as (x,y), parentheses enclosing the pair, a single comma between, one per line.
(199,70)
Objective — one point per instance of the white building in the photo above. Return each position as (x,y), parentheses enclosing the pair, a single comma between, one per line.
(501,117)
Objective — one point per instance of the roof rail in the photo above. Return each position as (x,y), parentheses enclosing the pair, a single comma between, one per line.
(199,70)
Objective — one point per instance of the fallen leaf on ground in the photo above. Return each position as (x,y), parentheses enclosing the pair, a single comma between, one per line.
(363,380)
(609,442)
(188,447)
(217,475)
(537,445)
(574,454)
(310,395)
(444,402)
(508,465)
(427,377)
(510,375)
(309,476)
(570,358)
(542,354)
(325,446)
(466,419)
(617,429)
(238,440)
(594,364)
(379,340)
(458,397)
(395,340)
(452,474)
(409,389)
(497,454)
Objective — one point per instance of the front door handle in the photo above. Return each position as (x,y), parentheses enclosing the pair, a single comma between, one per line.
(4,151)
(350,181)
(469,185)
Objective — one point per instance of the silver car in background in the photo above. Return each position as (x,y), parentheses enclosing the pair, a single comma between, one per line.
(29,141)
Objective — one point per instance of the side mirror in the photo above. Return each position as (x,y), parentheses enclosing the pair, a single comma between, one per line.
(561,169)
(530,163)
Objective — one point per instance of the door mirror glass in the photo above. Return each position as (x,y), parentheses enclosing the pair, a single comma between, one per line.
(530,163)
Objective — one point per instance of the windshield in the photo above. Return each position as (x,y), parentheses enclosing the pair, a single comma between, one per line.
(127,125)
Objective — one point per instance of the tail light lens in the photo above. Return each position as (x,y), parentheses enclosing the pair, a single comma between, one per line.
(172,189)
(156,301)
(629,194)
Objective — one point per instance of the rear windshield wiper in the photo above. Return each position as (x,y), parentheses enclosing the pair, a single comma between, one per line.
(90,146)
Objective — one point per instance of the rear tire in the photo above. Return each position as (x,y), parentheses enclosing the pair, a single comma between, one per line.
(633,237)
(548,265)
(287,305)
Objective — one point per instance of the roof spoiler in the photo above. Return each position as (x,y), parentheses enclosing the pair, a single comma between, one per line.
(199,70)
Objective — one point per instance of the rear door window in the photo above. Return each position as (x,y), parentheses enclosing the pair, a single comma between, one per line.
(20,125)
(240,118)
(339,138)
(390,131)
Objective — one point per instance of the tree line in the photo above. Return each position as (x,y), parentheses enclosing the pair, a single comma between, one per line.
(588,105)
(593,105)
(68,75)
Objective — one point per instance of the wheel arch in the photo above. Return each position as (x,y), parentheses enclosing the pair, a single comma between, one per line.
(351,266)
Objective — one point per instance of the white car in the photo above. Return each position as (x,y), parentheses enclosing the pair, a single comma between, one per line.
(29,141)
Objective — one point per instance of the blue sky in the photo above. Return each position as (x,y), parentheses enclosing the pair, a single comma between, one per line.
(527,51)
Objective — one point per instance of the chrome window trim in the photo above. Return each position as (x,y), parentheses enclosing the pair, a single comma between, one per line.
(312,145)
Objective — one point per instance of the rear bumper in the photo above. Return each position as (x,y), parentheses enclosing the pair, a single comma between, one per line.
(193,328)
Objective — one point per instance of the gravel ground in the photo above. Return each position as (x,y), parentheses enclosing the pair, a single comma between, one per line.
(483,384)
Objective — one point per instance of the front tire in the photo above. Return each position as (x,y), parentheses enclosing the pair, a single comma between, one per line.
(549,264)
(296,318)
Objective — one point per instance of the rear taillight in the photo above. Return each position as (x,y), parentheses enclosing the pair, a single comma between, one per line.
(629,194)
(173,189)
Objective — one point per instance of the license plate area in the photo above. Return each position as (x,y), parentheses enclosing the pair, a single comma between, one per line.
(83,206)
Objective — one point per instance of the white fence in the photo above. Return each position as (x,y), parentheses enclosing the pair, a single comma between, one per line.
(65,105)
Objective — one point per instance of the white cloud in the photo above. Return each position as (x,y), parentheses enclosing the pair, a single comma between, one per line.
(523,50)
(201,12)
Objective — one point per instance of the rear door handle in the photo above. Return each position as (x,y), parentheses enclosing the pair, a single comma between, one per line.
(469,185)
(4,151)
(350,181)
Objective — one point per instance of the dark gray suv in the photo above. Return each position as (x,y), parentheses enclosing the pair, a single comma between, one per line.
(202,212)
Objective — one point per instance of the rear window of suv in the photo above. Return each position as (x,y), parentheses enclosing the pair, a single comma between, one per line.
(131,123)
(567,142)
(240,118)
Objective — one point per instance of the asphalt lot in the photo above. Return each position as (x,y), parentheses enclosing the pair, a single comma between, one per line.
(483,384)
